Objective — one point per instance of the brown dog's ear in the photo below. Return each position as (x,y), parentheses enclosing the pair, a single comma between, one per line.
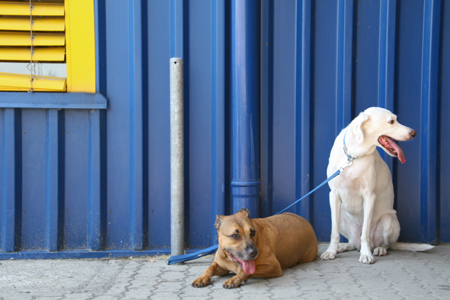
(245,211)
(356,129)
(218,221)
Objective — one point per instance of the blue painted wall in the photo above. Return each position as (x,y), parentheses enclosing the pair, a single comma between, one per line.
(89,182)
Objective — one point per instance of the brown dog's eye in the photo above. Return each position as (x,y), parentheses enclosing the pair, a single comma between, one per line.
(391,121)
(235,235)
(252,233)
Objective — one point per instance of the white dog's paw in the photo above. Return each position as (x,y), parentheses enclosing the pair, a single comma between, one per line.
(366,258)
(328,255)
(345,247)
(380,251)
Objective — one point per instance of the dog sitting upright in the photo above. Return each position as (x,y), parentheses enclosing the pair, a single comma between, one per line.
(259,247)
(362,197)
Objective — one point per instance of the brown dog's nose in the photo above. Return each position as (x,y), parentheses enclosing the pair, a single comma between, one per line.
(252,251)
(413,133)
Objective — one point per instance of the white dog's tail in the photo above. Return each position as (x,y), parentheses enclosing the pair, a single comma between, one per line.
(411,247)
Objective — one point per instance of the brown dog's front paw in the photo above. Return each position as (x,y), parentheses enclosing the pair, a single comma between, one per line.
(233,282)
(202,281)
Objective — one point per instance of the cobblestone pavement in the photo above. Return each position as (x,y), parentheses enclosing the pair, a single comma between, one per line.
(399,275)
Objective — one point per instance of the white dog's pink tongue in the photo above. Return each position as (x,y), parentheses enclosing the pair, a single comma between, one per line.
(249,266)
(392,144)
(400,155)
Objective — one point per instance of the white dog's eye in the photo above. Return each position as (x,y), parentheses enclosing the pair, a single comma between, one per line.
(391,121)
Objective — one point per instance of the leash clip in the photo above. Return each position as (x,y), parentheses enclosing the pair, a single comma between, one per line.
(348,163)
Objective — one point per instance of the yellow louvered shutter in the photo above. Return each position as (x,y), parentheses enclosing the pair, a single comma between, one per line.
(32,35)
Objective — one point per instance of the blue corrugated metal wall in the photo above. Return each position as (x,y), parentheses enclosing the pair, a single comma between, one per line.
(328,60)
(89,182)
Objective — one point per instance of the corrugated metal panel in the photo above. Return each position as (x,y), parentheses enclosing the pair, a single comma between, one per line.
(91,183)
(443,164)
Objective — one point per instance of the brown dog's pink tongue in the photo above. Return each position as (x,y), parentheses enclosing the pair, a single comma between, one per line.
(249,266)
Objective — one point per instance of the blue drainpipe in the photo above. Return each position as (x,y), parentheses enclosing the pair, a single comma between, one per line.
(245,105)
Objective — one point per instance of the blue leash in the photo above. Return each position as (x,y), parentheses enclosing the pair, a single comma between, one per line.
(190,256)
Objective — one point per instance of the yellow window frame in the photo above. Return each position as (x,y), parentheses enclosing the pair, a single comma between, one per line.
(80,45)
(80,54)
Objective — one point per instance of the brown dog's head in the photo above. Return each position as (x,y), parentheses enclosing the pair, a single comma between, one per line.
(237,239)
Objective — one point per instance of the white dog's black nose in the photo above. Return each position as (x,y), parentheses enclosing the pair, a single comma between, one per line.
(412,133)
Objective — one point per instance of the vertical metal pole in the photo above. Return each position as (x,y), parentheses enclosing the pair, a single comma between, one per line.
(176,157)
(245,105)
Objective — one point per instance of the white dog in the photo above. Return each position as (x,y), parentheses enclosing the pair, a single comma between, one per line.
(362,197)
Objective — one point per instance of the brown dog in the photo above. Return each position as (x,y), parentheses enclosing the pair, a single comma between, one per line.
(259,247)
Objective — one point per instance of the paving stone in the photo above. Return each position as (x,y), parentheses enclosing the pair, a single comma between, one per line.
(399,275)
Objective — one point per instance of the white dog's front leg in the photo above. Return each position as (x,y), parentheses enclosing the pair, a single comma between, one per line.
(366,256)
(335,206)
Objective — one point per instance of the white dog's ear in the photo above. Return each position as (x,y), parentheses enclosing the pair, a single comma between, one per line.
(357,127)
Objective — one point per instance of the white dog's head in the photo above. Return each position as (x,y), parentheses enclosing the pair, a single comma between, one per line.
(379,127)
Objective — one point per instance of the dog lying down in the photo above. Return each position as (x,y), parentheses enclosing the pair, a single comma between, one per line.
(259,247)
(362,197)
